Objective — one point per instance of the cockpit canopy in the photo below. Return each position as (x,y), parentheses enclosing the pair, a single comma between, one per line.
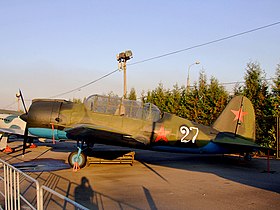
(122,107)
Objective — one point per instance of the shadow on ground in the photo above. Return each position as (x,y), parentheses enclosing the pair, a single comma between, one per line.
(253,173)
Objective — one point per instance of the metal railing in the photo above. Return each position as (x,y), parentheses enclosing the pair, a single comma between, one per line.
(20,190)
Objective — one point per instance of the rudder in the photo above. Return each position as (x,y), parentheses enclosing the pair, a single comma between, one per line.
(238,118)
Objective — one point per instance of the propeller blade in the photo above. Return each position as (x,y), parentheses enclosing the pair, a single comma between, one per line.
(25,137)
(22,100)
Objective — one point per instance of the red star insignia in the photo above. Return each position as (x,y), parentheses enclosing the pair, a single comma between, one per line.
(161,134)
(239,114)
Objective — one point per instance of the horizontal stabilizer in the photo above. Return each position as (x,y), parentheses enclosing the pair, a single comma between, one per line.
(231,139)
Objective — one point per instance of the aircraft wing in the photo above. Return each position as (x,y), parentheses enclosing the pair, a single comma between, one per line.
(90,130)
(12,131)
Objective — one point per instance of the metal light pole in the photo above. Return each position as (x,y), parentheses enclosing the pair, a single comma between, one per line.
(188,79)
(122,58)
(18,98)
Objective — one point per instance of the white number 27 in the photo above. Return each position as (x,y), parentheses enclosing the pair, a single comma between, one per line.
(186,131)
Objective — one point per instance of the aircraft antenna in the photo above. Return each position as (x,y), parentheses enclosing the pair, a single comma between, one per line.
(238,120)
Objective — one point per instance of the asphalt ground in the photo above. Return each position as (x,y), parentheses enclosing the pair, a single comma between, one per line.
(156,180)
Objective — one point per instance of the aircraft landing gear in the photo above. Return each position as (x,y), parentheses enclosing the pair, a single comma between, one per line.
(77,159)
(247,157)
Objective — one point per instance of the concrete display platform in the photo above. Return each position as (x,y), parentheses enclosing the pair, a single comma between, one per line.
(156,180)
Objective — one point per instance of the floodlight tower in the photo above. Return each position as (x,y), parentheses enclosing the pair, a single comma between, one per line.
(122,58)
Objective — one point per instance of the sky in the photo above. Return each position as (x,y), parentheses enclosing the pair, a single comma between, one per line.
(51,47)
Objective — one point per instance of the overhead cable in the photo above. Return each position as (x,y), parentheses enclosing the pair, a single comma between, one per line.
(206,43)
(170,53)
(77,89)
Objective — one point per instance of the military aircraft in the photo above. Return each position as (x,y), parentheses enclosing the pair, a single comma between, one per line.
(117,121)
(11,124)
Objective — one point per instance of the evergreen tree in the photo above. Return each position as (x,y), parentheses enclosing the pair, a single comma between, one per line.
(76,100)
(217,97)
(256,89)
(199,102)
(173,98)
(237,89)
(132,94)
(276,92)
(275,105)
(158,97)
(203,103)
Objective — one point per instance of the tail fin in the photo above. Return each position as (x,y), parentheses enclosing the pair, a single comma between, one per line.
(238,118)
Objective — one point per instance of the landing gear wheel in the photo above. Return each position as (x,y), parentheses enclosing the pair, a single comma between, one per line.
(81,160)
(247,157)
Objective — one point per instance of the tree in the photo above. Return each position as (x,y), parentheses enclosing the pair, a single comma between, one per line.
(256,89)
(275,98)
(217,98)
(76,100)
(204,102)
(237,89)
(198,101)
(276,92)
(132,94)
(157,97)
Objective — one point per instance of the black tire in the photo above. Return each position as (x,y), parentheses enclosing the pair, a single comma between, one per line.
(248,157)
(82,160)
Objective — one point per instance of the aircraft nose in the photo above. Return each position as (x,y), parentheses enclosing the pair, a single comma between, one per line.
(24,117)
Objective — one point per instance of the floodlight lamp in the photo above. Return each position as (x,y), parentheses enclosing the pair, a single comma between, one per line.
(128,54)
(121,56)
